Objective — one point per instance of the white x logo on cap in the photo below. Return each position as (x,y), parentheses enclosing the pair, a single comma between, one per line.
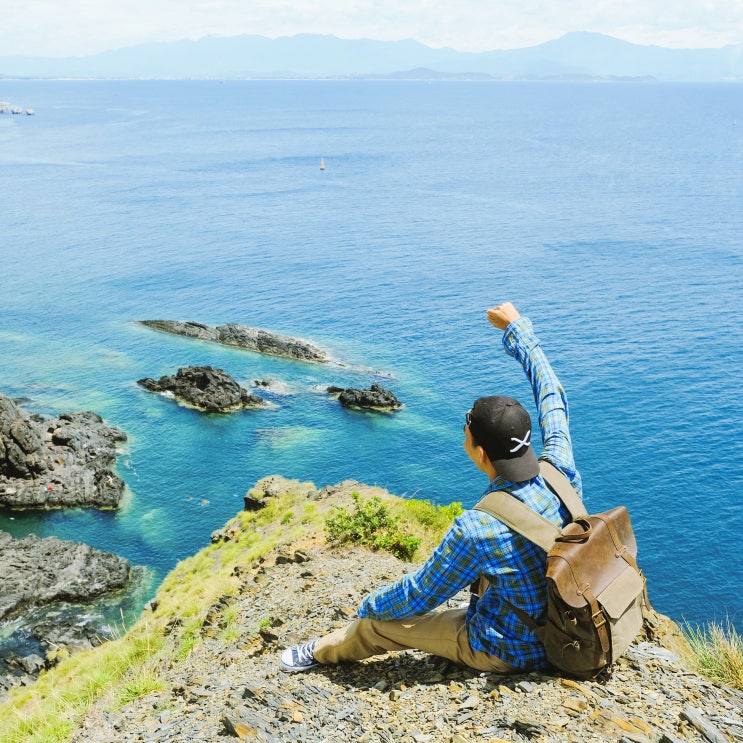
(520,443)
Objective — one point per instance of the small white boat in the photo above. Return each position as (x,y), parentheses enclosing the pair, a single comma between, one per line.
(16,110)
(30,112)
(322,163)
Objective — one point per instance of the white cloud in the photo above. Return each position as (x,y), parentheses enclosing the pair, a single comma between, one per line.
(80,27)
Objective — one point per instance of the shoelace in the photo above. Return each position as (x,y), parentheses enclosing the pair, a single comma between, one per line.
(304,654)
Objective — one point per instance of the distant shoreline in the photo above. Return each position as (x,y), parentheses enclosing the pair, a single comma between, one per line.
(395,77)
(575,56)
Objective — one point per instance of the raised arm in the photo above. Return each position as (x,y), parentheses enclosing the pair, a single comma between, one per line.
(520,342)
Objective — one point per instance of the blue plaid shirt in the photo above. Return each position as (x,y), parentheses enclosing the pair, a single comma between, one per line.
(478,544)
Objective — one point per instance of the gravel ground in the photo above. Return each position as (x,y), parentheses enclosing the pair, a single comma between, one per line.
(234,690)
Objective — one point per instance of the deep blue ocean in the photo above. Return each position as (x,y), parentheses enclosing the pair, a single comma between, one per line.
(610,214)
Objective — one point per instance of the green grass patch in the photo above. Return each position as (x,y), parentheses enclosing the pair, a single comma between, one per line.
(188,639)
(309,512)
(140,684)
(265,623)
(438,518)
(230,630)
(287,517)
(49,711)
(717,652)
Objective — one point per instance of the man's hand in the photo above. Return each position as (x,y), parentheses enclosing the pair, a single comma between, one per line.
(503,315)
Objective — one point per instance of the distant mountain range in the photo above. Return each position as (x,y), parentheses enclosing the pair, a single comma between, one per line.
(574,56)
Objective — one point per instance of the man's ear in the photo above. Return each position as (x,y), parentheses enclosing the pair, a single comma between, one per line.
(484,464)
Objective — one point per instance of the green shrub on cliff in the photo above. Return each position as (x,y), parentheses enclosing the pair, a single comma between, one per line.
(370,524)
(391,525)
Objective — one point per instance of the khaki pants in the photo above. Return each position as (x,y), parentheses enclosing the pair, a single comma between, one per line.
(441,633)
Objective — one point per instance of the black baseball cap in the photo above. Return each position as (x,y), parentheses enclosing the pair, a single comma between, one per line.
(502,427)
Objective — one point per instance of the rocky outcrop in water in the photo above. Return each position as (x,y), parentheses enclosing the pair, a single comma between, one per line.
(376,398)
(57,462)
(38,571)
(44,583)
(251,339)
(204,388)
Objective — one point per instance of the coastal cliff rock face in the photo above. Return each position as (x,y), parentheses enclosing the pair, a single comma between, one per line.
(376,398)
(232,690)
(57,462)
(228,686)
(251,339)
(42,571)
(204,388)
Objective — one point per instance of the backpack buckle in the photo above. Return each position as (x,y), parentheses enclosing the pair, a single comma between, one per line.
(598,619)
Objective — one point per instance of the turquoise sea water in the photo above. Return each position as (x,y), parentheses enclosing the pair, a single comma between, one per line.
(609,213)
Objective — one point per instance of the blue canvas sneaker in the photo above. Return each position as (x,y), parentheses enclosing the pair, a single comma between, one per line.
(299,658)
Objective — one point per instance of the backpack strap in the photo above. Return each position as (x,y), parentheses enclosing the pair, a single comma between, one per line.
(526,521)
(522,519)
(562,488)
(519,517)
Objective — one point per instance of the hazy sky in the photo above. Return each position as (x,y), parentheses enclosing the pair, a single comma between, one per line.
(81,27)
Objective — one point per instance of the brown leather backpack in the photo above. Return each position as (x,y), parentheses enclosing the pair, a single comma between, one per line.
(595,591)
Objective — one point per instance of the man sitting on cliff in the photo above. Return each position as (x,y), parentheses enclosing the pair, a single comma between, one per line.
(487,636)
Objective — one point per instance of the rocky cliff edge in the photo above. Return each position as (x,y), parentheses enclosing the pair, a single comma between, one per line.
(215,630)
